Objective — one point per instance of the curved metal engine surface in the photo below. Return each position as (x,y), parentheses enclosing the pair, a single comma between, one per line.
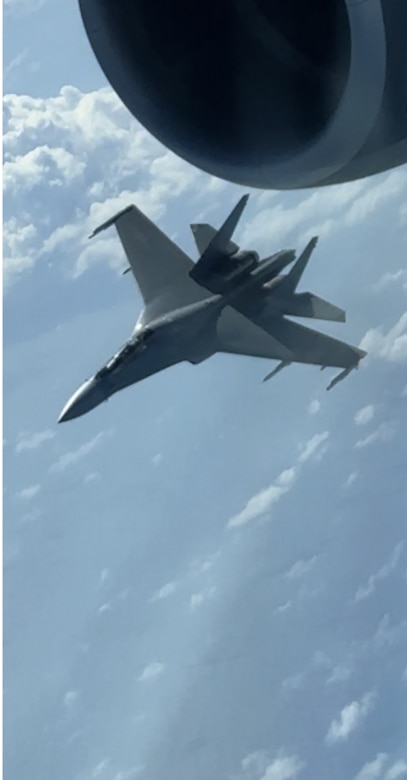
(261,92)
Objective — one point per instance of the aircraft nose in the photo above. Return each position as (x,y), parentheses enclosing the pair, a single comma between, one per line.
(88,395)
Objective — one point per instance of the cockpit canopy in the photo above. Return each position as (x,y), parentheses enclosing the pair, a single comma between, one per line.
(131,348)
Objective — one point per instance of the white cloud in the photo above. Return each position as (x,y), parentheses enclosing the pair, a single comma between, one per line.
(71,458)
(312,446)
(351,479)
(257,766)
(15,63)
(374,197)
(301,568)
(57,166)
(263,501)
(387,634)
(373,769)
(398,770)
(324,212)
(23,7)
(156,459)
(367,590)
(398,278)
(33,441)
(364,415)
(93,476)
(350,719)
(100,768)
(197,599)
(151,671)
(29,492)
(70,697)
(295,682)
(383,433)
(82,155)
(164,592)
(283,768)
(314,406)
(283,607)
(391,346)
(339,674)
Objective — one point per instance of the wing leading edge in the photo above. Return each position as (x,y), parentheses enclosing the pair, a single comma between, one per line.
(155,260)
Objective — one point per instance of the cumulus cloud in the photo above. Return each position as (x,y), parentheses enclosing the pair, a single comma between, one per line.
(390,346)
(283,607)
(368,590)
(151,671)
(351,479)
(266,499)
(164,592)
(23,7)
(301,568)
(339,674)
(93,476)
(314,407)
(350,718)
(364,415)
(312,446)
(398,770)
(197,599)
(390,278)
(14,64)
(29,492)
(83,156)
(283,767)
(373,769)
(33,441)
(383,433)
(374,197)
(324,212)
(70,698)
(263,501)
(72,458)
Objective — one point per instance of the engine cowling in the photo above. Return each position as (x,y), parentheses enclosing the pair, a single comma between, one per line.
(268,93)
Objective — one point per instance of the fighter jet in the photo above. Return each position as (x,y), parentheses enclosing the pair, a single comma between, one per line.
(228,301)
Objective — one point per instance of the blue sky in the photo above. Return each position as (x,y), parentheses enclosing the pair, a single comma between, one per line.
(205,576)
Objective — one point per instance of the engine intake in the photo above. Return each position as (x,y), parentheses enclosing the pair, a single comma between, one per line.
(261,92)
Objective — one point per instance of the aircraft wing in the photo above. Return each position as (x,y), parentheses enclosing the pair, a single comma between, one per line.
(238,335)
(311,346)
(154,259)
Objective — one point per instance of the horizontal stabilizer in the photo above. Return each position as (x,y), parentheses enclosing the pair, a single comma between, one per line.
(309,305)
(204,234)
(218,246)
(291,281)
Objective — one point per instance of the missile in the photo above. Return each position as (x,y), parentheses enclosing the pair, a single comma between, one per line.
(276,370)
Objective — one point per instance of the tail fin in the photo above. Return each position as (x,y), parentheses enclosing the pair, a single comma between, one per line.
(204,234)
(290,283)
(218,246)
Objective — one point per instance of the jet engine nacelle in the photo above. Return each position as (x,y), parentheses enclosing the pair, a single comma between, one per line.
(266,93)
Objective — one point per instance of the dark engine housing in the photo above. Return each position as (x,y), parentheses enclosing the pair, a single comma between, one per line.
(280,93)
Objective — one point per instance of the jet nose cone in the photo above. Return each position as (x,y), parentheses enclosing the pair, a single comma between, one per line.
(88,395)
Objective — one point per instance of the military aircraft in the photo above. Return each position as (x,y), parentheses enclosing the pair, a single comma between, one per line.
(277,94)
(228,301)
